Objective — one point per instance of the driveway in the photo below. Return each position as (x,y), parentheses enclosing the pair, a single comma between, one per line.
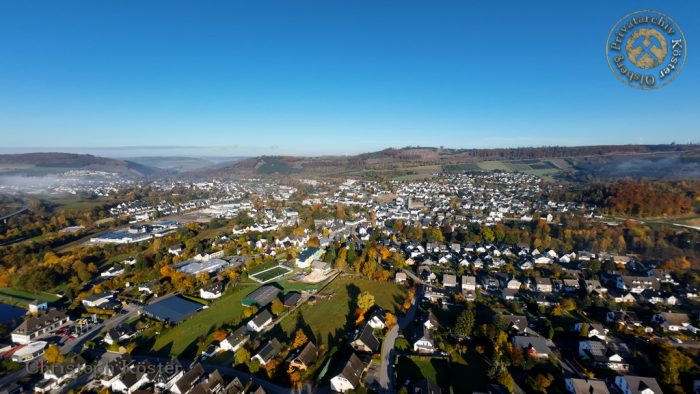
(386,369)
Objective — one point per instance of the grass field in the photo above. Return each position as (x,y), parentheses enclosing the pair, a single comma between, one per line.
(19,297)
(333,314)
(271,273)
(463,374)
(261,267)
(181,340)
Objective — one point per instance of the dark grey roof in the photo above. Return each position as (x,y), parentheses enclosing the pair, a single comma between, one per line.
(237,336)
(367,337)
(261,296)
(352,370)
(308,354)
(262,317)
(270,350)
(172,309)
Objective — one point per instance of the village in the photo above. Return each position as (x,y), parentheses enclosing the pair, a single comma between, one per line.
(468,282)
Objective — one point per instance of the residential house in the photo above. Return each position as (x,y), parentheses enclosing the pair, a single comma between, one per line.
(629,384)
(672,321)
(38,326)
(449,281)
(306,357)
(349,376)
(468,283)
(321,267)
(235,340)
(543,285)
(533,345)
(378,319)
(586,386)
(97,300)
(595,330)
(425,342)
(119,333)
(212,291)
(271,349)
(515,323)
(626,318)
(307,256)
(260,321)
(365,341)
(601,355)
(401,277)
(291,299)
(189,380)
(637,284)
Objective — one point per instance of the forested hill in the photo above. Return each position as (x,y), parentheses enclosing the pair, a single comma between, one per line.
(601,161)
(28,164)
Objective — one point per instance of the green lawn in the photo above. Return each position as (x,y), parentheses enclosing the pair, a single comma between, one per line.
(262,267)
(272,273)
(20,297)
(181,340)
(330,318)
(463,374)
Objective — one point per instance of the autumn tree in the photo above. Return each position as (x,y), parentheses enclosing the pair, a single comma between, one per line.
(276,307)
(365,301)
(390,320)
(300,339)
(53,355)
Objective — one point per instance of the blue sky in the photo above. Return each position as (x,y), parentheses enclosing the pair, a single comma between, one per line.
(127,78)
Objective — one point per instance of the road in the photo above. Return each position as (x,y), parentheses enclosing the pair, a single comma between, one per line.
(77,344)
(388,356)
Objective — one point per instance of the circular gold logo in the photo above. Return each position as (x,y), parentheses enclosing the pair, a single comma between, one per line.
(646,49)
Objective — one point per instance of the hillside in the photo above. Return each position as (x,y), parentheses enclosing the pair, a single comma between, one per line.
(184,163)
(611,161)
(39,164)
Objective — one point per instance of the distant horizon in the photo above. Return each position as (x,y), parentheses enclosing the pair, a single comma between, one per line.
(328,78)
(198,151)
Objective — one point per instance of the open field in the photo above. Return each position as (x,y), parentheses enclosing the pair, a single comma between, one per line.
(181,340)
(22,298)
(333,315)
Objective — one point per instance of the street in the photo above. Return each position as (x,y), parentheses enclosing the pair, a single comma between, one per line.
(388,355)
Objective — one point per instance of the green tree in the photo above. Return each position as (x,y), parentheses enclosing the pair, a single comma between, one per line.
(465,323)
(242,356)
(254,365)
(673,362)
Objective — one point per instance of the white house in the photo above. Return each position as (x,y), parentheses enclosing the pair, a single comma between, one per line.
(672,321)
(95,300)
(235,340)
(260,321)
(212,291)
(349,377)
(29,352)
(37,326)
(628,384)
